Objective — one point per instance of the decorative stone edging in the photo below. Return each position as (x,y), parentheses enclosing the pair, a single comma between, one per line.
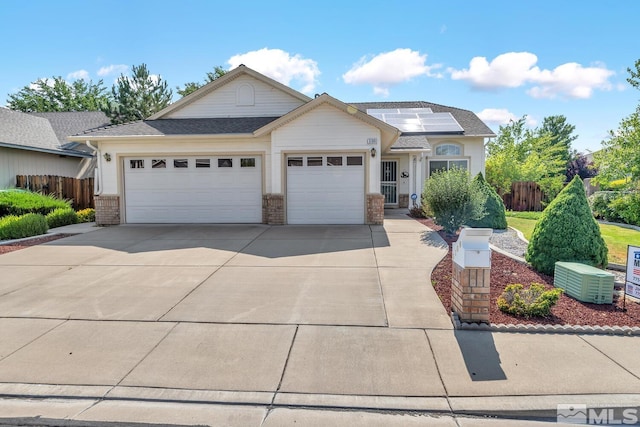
(553,329)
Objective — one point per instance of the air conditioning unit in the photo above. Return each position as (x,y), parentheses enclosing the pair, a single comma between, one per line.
(584,282)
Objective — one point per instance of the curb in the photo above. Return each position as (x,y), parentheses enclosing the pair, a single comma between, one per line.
(550,329)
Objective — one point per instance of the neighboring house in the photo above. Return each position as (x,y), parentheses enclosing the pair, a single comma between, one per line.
(247,149)
(35,144)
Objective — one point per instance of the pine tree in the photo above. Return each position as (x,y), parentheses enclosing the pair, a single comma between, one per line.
(495,216)
(567,231)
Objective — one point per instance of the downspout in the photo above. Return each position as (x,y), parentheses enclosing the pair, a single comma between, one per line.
(97,173)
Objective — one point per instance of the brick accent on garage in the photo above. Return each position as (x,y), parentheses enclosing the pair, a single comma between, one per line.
(273,209)
(470,293)
(375,209)
(107,210)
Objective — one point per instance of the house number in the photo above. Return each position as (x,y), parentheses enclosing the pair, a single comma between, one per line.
(372,141)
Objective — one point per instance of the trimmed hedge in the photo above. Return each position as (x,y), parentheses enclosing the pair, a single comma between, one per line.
(60,217)
(17,227)
(24,202)
(567,231)
(495,216)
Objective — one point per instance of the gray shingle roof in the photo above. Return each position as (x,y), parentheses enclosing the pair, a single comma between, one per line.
(412,141)
(162,127)
(69,123)
(471,124)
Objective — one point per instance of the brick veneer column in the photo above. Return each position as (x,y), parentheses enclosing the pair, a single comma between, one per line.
(107,210)
(375,208)
(403,200)
(273,209)
(470,293)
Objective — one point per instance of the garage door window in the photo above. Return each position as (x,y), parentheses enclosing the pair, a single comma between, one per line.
(158,163)
(334,161)
(225,163)
(294,161)
(203,163)
(314,161)
(354,161)
(136,164)
(180,163)
(248,163)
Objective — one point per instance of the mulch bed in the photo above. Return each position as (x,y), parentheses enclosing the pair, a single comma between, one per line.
(15,246)
(506,271)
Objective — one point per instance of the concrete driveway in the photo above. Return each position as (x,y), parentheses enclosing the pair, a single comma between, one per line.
(322,275)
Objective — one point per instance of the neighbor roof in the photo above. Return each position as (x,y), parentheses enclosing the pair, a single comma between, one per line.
(68,123)
(167,127)
(471,124)
(27,132)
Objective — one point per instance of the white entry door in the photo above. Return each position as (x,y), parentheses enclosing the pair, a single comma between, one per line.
(193,189)
(389,181)
(325,189)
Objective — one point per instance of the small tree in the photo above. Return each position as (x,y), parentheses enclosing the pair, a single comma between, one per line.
(567,231)
(190,87)
(495,216)
(452,199)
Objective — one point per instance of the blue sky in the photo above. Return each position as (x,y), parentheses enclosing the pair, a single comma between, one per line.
(500,59)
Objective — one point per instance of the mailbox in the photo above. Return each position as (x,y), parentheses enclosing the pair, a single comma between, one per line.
(471,250)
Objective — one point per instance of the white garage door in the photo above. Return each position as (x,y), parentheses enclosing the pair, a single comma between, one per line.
(325,189)
(202,189)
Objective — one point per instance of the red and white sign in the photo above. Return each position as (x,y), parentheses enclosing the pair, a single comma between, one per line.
(632,286)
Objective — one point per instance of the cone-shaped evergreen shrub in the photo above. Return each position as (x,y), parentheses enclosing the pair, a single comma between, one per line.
(567,231)
(495,216)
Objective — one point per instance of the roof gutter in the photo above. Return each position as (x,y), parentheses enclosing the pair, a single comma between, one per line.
(46,150)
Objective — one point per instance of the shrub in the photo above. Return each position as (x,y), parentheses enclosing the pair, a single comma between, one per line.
(494,216)
(535,301)
(600,202)
(23,202)
(567,231)
(627,208)
(17,227)
(60,217)
(416,212)
(86,215)
(452,199)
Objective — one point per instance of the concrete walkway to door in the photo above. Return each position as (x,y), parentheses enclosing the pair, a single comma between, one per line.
(263,325)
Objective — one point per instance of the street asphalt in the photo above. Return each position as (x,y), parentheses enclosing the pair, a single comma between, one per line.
(256,325)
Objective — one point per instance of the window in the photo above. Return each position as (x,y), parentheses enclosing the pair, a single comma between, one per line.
(314,161)
(448,150)
(294,161)
(354,160)
(248,163)
(445,165)
(136,164)
(158,163)
(225,163)
(180,163)
(334,161)
(203,163)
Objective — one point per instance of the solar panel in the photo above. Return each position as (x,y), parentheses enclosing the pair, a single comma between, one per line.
(417,119)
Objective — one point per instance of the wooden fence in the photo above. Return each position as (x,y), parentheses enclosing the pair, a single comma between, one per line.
(524,196)
(79,191)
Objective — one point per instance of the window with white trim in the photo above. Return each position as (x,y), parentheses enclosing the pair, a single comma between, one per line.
(449,151)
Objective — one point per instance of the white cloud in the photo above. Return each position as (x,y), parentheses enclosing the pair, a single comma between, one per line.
(388,69)
(515,69)
(280,66)
(502,116)
(112,69)
(80,74)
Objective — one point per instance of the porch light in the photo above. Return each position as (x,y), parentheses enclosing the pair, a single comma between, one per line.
(373,152)
(107,157)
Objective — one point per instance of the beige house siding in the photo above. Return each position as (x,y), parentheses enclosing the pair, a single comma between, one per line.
(22,162)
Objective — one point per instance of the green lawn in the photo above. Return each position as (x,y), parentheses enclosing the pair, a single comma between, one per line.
(617,238)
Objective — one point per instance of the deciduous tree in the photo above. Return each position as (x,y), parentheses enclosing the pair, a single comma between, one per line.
(56,94)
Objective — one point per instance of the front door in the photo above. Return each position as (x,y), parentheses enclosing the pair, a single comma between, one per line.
(389,181)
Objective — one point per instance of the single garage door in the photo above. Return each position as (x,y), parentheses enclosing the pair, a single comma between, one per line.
(201,189)
(325,189)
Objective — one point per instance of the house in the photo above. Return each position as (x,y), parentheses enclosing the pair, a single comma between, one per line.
(35,144)
(247,149)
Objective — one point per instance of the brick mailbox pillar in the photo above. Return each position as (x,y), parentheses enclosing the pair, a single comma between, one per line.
(470,287)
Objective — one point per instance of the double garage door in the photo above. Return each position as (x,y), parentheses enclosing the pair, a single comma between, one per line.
(201,189)
(321,189)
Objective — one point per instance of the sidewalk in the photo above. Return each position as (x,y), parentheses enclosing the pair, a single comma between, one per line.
(417,370)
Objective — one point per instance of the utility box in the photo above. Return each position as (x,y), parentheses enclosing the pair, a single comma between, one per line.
(584,282)
(471,250)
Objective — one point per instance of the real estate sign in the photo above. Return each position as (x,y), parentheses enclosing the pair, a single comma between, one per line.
(632,286)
